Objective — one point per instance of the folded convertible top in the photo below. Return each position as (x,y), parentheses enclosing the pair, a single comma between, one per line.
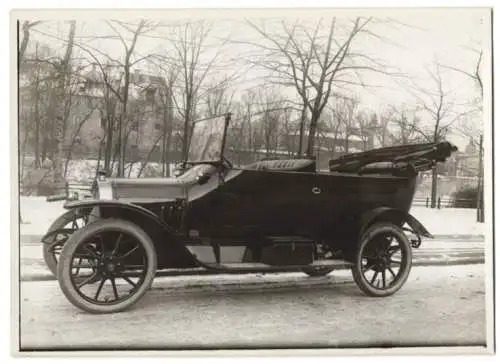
(417,157)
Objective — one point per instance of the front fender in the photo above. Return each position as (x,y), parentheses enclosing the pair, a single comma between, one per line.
(120,205)
(171,251)
(395,216)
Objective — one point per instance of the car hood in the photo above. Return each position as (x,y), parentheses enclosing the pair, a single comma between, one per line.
(151,189)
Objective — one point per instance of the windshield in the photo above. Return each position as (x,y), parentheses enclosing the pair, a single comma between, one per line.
(206,140)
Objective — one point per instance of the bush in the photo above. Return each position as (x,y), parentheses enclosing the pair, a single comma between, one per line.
(465,198)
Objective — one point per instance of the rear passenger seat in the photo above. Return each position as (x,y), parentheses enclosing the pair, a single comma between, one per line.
(297,165)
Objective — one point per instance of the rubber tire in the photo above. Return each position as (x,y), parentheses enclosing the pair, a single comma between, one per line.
(318,272)
(60,222)
(69,248)
(358,276)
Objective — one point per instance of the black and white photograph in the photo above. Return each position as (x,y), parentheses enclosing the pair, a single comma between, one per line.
(197,180)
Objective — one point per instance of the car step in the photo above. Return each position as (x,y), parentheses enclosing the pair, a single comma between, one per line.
(333,263)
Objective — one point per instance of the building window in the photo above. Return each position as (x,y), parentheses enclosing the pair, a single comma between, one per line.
(150,95)
(135,126)
(157,126)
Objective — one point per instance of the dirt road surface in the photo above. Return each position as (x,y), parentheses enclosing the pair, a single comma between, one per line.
(438,306)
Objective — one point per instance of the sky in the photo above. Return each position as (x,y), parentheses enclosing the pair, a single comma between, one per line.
(412,40)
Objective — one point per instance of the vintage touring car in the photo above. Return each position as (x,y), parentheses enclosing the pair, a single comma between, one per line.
(270,215)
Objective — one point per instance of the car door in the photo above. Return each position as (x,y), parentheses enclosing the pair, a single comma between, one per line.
(267,202)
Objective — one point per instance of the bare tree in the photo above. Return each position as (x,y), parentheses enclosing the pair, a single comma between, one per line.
(50,90)
(471,130)
(362,122)
(475,74)
(189,42)
(400,125)
(219,98)
(27,25)
(345,112)
(383,134)
(120,85)
(76,135)
(166,92)
(61,113)
(316,66)
(329,131)
(271,106)
(33,91)
(437,105)
(289,128)
(249,100)
(109,119)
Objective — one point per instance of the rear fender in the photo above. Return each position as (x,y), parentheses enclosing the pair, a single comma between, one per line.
(395,216)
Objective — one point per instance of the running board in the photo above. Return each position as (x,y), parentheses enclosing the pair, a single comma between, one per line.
(261,267)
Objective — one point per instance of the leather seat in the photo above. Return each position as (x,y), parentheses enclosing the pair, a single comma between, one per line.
(298,165)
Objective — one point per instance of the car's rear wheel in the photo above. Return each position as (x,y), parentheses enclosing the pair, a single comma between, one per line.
(383,260)
(58,234)
(119,265)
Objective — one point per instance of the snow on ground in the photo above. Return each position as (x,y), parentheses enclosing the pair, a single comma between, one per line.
(449,221)
(38,214)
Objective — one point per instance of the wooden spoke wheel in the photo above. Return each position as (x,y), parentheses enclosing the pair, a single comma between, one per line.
(107,266)
(383,260)
(58,234)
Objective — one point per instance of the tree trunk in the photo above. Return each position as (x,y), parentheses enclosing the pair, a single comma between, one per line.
(61,112)
(301,131)
(123,138)
(167,136)
(148,156)
(346,141)
(185,143)
(23,154)
(72,144)
(24,43)
(108,151)
(164,146)
(121,147)
(480,186)
(434,170)
(434,187)
(311,138)
(99,154)
(37,131)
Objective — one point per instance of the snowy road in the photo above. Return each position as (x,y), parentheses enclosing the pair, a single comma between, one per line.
(438,305)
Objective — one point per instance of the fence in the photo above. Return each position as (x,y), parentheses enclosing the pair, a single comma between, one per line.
(446,185)
(442,201)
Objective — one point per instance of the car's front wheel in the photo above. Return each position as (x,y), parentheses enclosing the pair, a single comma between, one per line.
(107,266)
